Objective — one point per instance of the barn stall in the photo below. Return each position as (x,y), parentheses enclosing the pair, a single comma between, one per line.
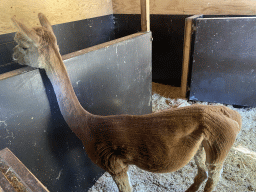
(168,20)
(111,74)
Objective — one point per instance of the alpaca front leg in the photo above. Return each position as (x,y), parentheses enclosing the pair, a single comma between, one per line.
(202,173)
(122,181)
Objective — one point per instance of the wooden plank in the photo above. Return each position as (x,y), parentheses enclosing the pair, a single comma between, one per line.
(186,53)
(20,169)
(156,6)
(230,18)
(216,7)
(61,11)
(145,15)
(5,186)
(188,7)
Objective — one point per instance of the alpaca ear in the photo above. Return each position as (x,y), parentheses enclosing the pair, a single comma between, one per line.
(30,34)
(44,22)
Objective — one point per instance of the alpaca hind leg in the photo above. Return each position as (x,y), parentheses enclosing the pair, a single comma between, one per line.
(122,181)
(215,171)
(202,170)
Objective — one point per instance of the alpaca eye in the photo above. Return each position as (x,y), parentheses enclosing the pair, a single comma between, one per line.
(24,48)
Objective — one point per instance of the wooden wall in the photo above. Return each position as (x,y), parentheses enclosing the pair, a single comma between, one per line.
(62,11)
(188,7)
(57,11)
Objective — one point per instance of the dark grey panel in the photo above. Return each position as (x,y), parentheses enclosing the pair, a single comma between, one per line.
(6,51)
(224,57)
(167,46)
(32,127)
(6,38)
(77,35)
(168,34)
(111,80)
(9,67)
(126,24)
(71,37)
(115,79)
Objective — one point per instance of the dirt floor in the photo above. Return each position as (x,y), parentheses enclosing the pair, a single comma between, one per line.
(239,171)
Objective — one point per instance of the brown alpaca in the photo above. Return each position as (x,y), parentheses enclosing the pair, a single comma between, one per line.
(158,142)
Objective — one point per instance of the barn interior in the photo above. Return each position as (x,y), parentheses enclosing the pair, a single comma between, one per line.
(191,52)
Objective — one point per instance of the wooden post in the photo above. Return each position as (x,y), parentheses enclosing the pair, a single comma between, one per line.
(186,53)
(145,15)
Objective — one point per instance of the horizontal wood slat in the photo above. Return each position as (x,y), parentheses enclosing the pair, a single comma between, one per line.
(188,7)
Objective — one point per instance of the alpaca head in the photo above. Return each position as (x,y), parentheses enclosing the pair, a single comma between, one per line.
(34,45)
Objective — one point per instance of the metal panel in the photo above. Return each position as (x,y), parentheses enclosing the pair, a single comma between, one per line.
(114,86)
(112,80)
(224,69)
(77,35)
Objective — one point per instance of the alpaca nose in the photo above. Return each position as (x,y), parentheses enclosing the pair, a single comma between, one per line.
(18,54)
(15,55)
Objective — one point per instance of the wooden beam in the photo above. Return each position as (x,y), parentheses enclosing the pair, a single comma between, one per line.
(186,53)
(5,185)
(18,170)
(188,7)
(145,15)
(60,11)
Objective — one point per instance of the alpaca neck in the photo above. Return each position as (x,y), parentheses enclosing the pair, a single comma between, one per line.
(74,114)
